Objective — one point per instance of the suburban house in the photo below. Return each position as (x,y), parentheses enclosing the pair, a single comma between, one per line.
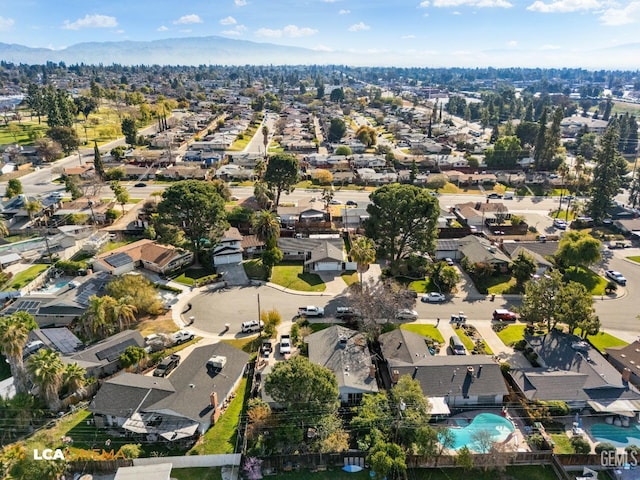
(573,371)
(103,358)
(542,264)
(179,407)
(229,248)
(345,352)
(251,246)
(63,306)
(300,248)
(325,257)
(319,253)
(478,214)
(627,361)
(448,381)
(145,254)
(480,250)
(628,226)
(60,339)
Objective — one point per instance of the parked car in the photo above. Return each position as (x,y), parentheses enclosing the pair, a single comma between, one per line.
(494,195)
(504,315)
(347,313)
(561,224)
(182,336)
(251,326)
(407,314)
(335,201)
(616,277)
(457,347)
(31,348)
(156,342)
(167,365)
(311,311)
(351,203)
(449,261)
(285,344)
(140,184)
(266,348)
(433,297)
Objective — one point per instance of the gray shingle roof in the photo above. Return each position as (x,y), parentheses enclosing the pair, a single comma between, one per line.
(348,360)
(326,252)
(401,347)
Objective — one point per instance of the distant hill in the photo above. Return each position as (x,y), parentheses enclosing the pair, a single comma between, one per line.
(211,50)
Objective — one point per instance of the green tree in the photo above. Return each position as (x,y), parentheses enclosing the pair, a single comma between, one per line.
(14,332)
(197,209)
(98,165)
(363,252)
(262,195)
(575,308)
(301,386)
(266,226)
(412,409)
(343,150)
(72,185)
(66,137)
(270,258)
(138,292)
(337,130)
(367,135)
(465,458)
(124,313)
(402,220)
(539,301)
(33,207)
(130,130)
(504,153)
(337,95)
(74,377)
(372,415)
(388,460)
(522,268)
(46,371)
(445,277)
(97,320)
(132,356)
(265,139)
(120,192)
(539,147)
(281,175)
(14,188)
(607,175)
(578,249)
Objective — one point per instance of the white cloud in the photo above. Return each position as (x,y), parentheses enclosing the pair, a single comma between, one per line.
(188,19)
(359,27)
(228,21)
(322,48)
(240,3)
(162,28)
(91,21)
(6,23)
(236,31)
(549,47)
(291,31)
(621,16)
(406,37)
(329,1)
(344,12)
(512,43)
(563,6)
(473,3)
(424,4)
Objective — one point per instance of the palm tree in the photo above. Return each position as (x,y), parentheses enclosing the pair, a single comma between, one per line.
(98,318)
(33,208)
(74,377)
(363,252)
(14,331)
(4,230)
(563,170)
(265,139)
(47,370)
(124,312)
(267,228)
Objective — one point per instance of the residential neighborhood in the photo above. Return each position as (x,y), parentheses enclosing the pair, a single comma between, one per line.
(329,273)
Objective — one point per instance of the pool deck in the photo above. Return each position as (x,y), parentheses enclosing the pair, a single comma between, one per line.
(516,441)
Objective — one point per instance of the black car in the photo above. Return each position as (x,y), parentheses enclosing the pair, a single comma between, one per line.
(494,195)
(351,203)
(166,366)
(140,184)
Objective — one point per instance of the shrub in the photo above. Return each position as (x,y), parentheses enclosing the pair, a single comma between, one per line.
(70,267)
(580,445)
(505,367)
(537,441)
(605,447)
(557,408)
(131,450)
(520,345)
(112,214)
(635,449)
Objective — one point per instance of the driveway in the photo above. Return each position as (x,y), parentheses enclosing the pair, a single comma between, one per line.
(333,282)
(233,274)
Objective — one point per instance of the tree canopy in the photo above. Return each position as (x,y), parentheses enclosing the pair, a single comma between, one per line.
(196,208)
(281,174)
(578,249)
(337,130)
(402,220)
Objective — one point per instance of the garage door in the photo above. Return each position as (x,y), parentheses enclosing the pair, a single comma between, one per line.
(328,266)
(227,259)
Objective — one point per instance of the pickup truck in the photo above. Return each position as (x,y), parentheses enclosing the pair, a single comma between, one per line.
(311,311)
(167,365)
(285,344)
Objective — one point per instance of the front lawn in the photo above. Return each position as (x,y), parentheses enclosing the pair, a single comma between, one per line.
(221,438)
(293,277)
(350,278)
(563,444)
(603,340)
(634,259)
(512,334)
(506,287)
(191,275)
(425,330)
(423,286)
(497,282)
(255,269)
(23,278)
(594,283)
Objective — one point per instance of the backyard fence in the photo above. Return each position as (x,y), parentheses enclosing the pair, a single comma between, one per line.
(186,461)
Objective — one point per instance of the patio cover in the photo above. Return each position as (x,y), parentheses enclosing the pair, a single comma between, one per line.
(621,407)
(438,406)
(182,432)
(139,423)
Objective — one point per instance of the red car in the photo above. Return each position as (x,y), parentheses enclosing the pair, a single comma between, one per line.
(504,315)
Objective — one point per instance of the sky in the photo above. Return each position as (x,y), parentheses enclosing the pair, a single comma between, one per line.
(439,33)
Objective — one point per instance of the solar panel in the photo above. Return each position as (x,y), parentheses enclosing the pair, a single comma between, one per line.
(112,353)
(118,260)
(29,306)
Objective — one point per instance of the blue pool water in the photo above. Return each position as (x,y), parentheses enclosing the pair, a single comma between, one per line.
(619,436)
(54,288)
(499,427)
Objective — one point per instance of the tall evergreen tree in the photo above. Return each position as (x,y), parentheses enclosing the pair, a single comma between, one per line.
(538,153)
(98,165)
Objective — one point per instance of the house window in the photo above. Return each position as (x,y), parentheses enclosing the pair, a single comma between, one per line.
(354,398)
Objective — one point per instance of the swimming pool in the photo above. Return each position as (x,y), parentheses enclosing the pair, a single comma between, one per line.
(499,428)
(619,436)
(51,289)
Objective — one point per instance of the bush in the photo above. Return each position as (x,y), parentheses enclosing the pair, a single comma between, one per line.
(580,445)
(605,447)
(112,214)
(557,408)
(537,441)
(635,449)
(520,345)
(70,267)
(131,450)
(505,367)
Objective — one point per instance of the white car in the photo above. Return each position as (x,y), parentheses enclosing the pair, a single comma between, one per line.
(182,336)
(407,314)
(433,297)
(616,277)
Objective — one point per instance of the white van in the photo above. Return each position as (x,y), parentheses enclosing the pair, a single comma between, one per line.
(508,195)
(251,326)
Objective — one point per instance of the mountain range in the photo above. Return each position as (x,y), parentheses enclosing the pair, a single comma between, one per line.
(216,50)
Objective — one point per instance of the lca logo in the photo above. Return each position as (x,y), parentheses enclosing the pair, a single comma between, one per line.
(48,454)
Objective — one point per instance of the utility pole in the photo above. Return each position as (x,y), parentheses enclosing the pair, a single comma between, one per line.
(259,318)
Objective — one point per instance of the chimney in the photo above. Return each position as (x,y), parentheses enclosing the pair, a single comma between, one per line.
(395,376)
(470,371)
(415,372)
(372,371)
(626,375)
